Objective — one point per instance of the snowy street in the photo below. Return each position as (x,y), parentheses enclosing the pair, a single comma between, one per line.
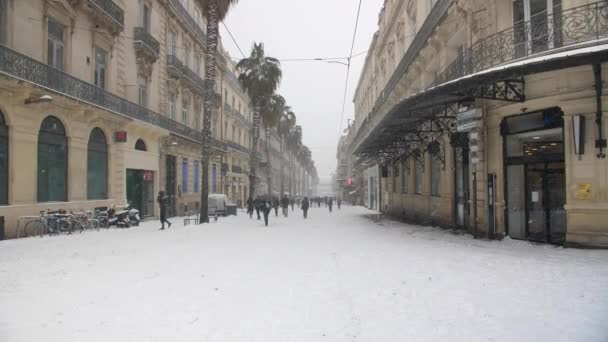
(334,277)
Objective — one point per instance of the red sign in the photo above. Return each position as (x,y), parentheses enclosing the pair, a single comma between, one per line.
(148,176)
(120,136)
(348,181)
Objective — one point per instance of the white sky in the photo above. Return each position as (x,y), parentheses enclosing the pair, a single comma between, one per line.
(309,29)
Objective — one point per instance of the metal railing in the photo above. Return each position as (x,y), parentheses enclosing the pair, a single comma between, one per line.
(178,69)
(28,69)
(542,33)
(145,40)
(237,147)
(179,9)
(194,79)
(175,65)
(111,10)
(237,169)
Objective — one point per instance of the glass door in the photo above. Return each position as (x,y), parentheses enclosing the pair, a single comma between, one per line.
(555,182)
(461,186)
(535,213)
(171,183)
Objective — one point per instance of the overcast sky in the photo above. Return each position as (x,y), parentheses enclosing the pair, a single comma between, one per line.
(309,29)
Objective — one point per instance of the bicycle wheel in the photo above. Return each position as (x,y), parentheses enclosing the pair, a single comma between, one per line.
(33,228)
(93,224)
(64,226)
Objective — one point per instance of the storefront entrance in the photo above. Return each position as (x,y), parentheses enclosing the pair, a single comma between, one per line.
(171,183)
(460,142)
(535,182)
(140,191)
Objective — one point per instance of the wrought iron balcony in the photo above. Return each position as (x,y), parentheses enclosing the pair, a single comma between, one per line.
(188,21)
(21,67)
(175,67)
(145,45)
(237,169)
(110,12)
(195,81)
(231,145)
(541,34)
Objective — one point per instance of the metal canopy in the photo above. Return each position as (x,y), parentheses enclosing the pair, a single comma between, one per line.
(438,105)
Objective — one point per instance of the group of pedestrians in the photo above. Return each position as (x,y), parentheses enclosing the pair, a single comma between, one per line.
(326,201)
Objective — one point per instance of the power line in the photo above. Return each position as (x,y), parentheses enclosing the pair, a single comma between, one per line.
(234,40)
(350,56)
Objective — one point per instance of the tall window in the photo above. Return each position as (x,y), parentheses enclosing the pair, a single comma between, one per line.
(185,175)
(101,61)
(435,173)
(196,176)
(187,56)
(97,166)
(405,176)
(145,15)
(214,179)
(3,158)
(197,17)
(172,43)
(395,176)
(197,123)
(56,46)
(142,90)
(197,64)
(2,20)
(185,113)
(171,106)
(185,4)
(52,161)
(418,172)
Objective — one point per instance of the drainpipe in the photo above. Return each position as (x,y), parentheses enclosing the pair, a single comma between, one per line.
(600,143)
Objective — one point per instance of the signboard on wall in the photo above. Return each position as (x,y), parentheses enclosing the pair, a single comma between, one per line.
(468,120)
(583,191)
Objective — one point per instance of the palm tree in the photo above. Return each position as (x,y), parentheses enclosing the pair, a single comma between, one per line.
(260,76)
(215,11)
(294,140)
(286,124)
(270,117)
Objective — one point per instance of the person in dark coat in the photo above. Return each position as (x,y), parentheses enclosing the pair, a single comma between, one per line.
(258,206)
(305,206)
(250,207)
(285,205)
(339,203)
(266,208)
(162,203)
(292,202)
(275,206)
(330,203)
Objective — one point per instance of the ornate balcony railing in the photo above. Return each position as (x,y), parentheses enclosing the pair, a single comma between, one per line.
(237,169)
(195,80)
(541,34)
(242,119)
(111,11)
(175,66)
(28,69)
(231,145)
(145,43)
(187,19)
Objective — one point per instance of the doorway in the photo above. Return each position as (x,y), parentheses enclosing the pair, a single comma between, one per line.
(460,141)
(535,179)
(140,191)
(171,184)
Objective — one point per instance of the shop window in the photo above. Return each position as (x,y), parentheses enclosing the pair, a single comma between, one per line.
(52,161)
(185,175)
(405,175)
(3,160)
(418,172)
(435,175)
(140,145)
(97,166)
(196,176)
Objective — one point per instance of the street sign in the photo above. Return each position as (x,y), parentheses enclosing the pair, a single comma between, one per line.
(468,120)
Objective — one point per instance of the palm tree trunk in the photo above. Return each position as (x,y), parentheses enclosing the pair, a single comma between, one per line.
(282,169)
(268,163)
(255,135)
(209,99)
(290,173)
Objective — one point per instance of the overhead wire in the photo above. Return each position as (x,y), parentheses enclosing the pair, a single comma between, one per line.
(350,56)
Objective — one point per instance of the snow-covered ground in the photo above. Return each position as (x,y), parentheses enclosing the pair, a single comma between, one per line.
(338,277)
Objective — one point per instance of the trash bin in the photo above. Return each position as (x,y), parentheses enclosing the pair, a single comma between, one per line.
(231,209)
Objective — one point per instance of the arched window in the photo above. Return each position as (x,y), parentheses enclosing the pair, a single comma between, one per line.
(140,145)
(3,161)
(52,161)
(97,165)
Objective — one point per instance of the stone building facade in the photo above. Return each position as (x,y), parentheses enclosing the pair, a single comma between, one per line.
(472,110)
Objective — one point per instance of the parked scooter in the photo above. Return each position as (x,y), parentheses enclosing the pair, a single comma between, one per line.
(118,217)
(134,218)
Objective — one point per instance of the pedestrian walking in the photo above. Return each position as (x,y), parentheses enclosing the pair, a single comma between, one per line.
(305,205)
(339,203)
(275,206)
(292,202)
(162,203)
(330,203)
(266,208)
(250,207)
(285,205)
(258,206)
